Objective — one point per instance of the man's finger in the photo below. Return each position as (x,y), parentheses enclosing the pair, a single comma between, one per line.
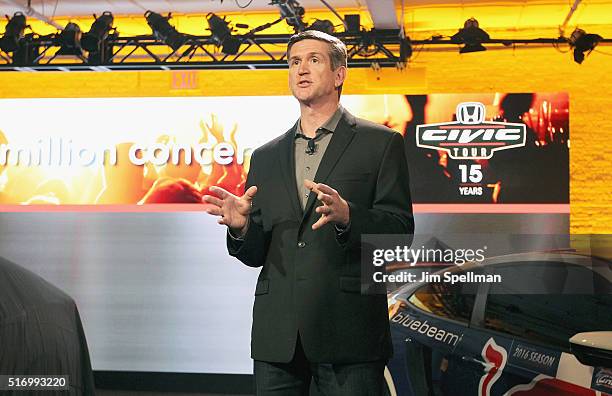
(215,211)
(324,188)
(212,200)
(312,186)
(324,209)
(222,193)
(250,193)
(321,222)
(326,199)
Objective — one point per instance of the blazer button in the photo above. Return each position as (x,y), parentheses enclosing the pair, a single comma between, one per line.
(301,244)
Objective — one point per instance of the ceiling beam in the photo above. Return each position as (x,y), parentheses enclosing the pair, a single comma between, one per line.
(383,14)
(31,12)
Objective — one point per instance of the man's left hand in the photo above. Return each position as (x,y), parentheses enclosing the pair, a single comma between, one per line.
(334,209)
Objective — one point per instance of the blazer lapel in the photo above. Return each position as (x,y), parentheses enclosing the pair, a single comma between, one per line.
(287,166)
(340,140)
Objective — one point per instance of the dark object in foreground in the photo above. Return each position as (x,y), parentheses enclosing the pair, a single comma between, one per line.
(41,331)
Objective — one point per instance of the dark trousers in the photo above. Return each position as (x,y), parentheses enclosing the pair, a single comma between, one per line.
(294,378)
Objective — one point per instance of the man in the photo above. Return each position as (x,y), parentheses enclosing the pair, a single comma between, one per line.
(310,319)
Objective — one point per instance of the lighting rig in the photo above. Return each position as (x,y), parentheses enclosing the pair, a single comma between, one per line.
(230,46)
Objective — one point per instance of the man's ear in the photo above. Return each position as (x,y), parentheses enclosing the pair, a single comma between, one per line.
(340,76)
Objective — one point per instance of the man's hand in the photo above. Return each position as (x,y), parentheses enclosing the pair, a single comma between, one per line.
(334,209)
(233,210)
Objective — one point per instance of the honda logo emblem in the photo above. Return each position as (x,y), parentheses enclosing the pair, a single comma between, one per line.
(470,113)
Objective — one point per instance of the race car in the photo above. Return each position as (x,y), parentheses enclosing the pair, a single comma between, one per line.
(503,327)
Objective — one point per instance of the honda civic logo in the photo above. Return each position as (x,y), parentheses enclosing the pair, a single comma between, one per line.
(471,137)
(470,113)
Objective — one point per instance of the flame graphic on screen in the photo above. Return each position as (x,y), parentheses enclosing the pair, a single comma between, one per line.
(125,182)
(230,177)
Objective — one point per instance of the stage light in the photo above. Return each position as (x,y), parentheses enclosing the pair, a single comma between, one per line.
(70,40)
(353,23)
(292,12)
(163,31)
(472,36)
(13,32)
(222,34)
(93,39)
(322,25)
(405,49)
(583,42)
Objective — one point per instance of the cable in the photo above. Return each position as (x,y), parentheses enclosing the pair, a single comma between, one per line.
(55,9)
(568,17)
(326,4)
(243,6)
(416,53)
(402,19)
(520,16)
(556,46)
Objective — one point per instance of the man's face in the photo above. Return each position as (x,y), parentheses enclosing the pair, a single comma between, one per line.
(311,77)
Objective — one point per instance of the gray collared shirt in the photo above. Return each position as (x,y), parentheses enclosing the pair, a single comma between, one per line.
(306,165)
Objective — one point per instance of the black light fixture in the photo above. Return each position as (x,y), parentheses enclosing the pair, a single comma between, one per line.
(163,31)
(322,25)
(13,32)
(353,23)
(582,42)
(222,34)
(292,12)
(92,40)
(70,40)
(472,36)
(405,49)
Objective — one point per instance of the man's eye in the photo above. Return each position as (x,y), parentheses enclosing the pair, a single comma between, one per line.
(315,60)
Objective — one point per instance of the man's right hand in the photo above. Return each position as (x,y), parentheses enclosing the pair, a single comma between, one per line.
(233,211)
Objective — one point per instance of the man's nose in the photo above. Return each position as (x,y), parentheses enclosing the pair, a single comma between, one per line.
(303,68)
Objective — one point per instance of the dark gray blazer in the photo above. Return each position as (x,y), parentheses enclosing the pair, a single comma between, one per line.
(310,280)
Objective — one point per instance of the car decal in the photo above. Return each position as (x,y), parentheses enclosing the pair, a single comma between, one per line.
(602,380)
(525,389)
(390,383)
(510,366)
(427,329)
(543,385)
(534,358)
(495,358)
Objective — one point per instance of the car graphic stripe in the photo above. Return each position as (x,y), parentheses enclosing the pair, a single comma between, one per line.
(390,383)
(495,358)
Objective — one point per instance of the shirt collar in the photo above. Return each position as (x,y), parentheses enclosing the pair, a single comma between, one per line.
(329,125)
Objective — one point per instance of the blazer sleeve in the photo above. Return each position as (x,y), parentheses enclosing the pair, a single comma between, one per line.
(391,210)
(251,249)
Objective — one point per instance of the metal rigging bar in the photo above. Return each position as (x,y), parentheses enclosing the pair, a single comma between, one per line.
(198,52)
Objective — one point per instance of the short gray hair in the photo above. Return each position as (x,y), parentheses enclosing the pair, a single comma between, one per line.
(337,49)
